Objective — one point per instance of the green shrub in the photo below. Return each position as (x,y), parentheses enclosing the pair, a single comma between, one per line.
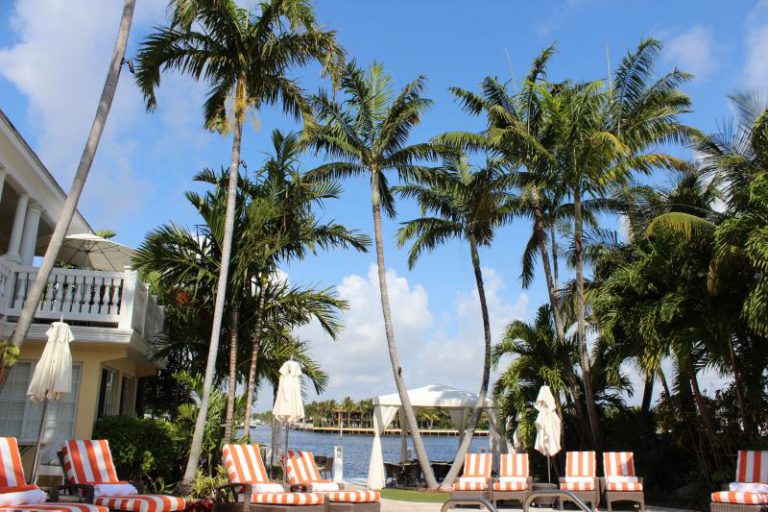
(144,449)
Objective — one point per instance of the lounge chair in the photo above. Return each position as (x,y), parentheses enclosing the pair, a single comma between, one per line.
(581,478)
(749,493)
(90,473)
(17,495)
(621,481)
(475,481)
(514,479)
(303,475)
(250,488)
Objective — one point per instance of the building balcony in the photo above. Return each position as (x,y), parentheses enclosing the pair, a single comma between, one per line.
(95,301)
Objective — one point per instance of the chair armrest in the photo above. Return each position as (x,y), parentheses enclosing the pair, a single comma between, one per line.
(529,482)
(561,480)
(235,489)
(87,492)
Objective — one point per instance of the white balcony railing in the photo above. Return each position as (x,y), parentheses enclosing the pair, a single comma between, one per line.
(94,297)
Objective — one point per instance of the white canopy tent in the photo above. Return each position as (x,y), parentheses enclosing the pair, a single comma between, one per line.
(434,396)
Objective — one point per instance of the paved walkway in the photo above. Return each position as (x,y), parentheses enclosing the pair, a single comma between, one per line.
(410,506)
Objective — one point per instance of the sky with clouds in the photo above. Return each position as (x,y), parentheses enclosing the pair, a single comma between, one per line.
(53,57)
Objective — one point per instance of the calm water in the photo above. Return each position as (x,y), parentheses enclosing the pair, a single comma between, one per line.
(357,449)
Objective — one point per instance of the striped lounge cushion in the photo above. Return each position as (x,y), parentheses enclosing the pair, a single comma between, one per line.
(752,466)
(477,465)
(514,465)
(510,484)
(287,498)
(56,507)
(142,503)
(741,498)
(355,496)
(471,484)
(580,464)
(578,483)
(244,464)
(302,469)
(90,462)
(623,485)
(14,490)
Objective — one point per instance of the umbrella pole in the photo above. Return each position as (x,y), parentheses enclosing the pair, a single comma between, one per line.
(549,466)
(40,435)
(285,454)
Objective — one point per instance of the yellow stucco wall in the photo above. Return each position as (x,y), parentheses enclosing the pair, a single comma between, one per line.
(92,357)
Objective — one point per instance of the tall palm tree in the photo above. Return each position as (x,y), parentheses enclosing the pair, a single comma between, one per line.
(468,205)
(367,131)
(78,183)
(244,56)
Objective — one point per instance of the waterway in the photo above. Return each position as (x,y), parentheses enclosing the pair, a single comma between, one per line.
(357,449)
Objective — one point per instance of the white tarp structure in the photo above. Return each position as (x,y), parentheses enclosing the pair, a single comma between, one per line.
(434,396)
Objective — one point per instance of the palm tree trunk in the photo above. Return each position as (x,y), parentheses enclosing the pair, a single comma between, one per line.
(698,398)
(555,266)
(231,387)
(466,439)
(218,310)
(552,287)
(586,371)
(645,404)
(83,168)
(394,358)
(251,387)
(746,424)
(663,380)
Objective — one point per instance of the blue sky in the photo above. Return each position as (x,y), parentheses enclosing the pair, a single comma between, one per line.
(53,57)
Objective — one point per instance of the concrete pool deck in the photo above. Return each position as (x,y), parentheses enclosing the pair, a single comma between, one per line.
(412,506)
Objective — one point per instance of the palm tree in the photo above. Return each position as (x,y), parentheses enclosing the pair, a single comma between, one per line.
(368,132)
(78,183)
(467,205)
(244,56)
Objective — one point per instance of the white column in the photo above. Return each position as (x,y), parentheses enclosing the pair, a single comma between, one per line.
(127,300)
(29,236)
(14,245)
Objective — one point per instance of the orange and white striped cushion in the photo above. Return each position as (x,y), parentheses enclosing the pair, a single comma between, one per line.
(625,486)
(743,498)
(301,468)
(354,496)
(244,464)
(471,484)
(511,483)
(619,464)
(56,507)
(288,498)
(11,470)
(514,464)
(578,483)
(477,465)
(89,462)
(580,464)
(142,503)
(752,466)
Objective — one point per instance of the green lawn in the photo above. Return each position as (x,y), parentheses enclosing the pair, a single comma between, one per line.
(413,495)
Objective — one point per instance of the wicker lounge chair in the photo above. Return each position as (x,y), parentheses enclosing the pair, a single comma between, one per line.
(475,481)
(581,478)
(303,475)
(621,481)
(514,479)
(19,496)
(749,493)
(90,473)
(249,487)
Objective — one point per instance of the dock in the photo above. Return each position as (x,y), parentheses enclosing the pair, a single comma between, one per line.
(366,431)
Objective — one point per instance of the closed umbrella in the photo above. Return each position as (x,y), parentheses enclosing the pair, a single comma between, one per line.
(547,425)
(52,377)
(288,406)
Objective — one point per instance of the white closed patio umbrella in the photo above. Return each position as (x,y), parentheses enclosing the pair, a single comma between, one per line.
(52,377)
(288,406)
(547,425)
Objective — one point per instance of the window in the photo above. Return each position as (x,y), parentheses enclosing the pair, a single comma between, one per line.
(20,417)
(127,396)
(108,393)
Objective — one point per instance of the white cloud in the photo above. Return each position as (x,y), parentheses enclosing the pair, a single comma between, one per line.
(58,62)
(756,42)
(358,362)
(692,51)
